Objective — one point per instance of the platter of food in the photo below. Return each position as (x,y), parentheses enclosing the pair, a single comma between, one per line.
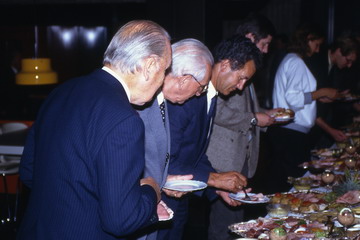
(185,185)
(301,201)
(279,228)
(255,198)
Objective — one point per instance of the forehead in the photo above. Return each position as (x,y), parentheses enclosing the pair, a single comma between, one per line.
(266,39)
(248,69)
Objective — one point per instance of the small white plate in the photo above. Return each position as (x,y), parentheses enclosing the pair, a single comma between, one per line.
(185,185)
(282,119)
(169,210)
(240,197)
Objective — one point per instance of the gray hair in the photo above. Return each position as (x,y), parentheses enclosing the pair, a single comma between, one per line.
(133,42)
(190,56)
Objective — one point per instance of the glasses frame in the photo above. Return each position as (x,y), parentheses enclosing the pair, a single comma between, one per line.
(202,88)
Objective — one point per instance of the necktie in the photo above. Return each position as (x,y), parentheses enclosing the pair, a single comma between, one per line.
(252,108)
(162,111)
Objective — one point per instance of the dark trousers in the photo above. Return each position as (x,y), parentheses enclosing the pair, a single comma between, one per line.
(288,148)
(221,216)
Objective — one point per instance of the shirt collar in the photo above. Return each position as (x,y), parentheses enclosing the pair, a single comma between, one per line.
(160,98)
(329,62)
(127,90)
(211,92)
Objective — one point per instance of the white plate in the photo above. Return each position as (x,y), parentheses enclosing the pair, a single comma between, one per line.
(240,197)
(282,119)
(169,210)
(185,185)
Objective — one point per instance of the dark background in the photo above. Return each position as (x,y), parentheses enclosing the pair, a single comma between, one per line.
(207,20)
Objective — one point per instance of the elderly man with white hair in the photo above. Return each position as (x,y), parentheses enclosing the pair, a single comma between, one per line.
(84,156)
(188,76)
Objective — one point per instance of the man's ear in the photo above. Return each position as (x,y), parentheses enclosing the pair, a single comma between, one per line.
(150,66)
(224,65)
(250,36)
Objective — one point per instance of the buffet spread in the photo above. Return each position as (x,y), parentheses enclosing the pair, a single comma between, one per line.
(323,204)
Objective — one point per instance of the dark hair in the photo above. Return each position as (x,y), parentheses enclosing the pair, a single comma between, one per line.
(238,50)
(258,25)
(347,45)
(303,34)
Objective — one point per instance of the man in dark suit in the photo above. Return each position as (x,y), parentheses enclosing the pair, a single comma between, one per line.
(190,123)
(84,156)
(191,60)
(328,69)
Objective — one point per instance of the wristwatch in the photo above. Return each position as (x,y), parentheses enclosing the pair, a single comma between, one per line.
(253,121)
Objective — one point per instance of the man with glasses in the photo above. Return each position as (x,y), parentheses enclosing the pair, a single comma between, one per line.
(328,71)
(236,60)
(189,75)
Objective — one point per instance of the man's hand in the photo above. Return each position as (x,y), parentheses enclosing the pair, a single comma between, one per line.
(338,135)
(225,196)
(228,181)
(176,194)
(264,120)
(151,182)
(326,95)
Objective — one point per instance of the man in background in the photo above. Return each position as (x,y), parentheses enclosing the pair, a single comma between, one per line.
(328,72)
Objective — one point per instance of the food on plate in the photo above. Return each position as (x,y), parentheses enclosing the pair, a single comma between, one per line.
(351,197)
(278,210)
(164,212)
(284,114)
(302,202)
(350,183)
(278,233)
(303,183)
(269,228)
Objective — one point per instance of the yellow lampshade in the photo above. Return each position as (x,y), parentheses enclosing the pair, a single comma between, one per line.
(36,71)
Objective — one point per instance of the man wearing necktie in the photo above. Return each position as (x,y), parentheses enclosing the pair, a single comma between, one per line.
(190,124)
(188,76)
(234,143)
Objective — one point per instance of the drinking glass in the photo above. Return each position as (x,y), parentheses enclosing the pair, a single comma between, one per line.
(328,177)
(346,218)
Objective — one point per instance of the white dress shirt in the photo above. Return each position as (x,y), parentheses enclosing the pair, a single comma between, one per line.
(293,86)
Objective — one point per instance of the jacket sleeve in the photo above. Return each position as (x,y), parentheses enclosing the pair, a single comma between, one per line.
(27,160)
(124,205)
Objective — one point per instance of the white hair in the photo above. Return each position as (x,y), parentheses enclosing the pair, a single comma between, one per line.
(190,56)
(134,42)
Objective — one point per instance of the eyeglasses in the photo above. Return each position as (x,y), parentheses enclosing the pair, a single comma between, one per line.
(349,60)
(202,88)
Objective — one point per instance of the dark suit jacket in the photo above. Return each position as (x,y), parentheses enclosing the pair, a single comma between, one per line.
(83,160)
(189,127)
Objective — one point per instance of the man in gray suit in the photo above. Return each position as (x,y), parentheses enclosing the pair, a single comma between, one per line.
(234,142)
(190,58)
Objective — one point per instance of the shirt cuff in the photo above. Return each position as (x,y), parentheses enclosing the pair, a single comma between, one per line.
(307,98)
